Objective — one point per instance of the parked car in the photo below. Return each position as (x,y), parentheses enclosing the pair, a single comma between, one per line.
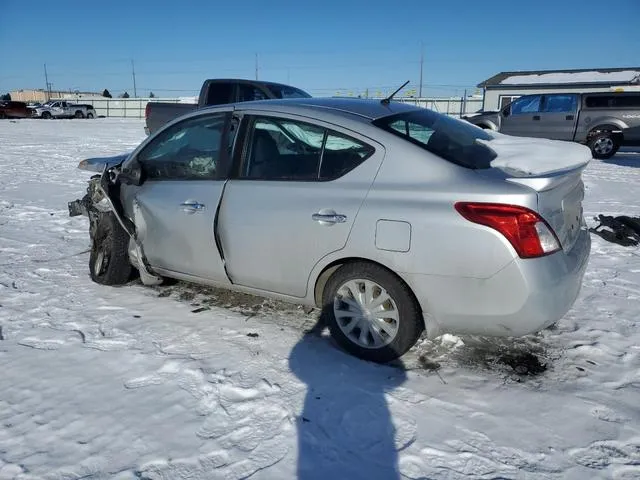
(63,109)
(390,217)
(216,92)
(602,121)
(11,109)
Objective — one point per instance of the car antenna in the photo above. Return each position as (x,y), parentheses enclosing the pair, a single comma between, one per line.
(385,101)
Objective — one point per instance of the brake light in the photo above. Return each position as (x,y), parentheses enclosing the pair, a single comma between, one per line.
(527,231)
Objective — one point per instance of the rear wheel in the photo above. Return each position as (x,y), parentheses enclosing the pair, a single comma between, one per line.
(603,145)
(89,115)
(371,313)
(79,114)
(109,260)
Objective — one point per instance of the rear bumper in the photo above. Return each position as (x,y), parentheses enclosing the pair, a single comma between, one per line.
(524,297)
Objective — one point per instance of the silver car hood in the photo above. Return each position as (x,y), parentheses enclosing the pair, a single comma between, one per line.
(98,164)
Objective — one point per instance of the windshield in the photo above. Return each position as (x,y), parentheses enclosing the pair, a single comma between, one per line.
(451,139)
(285,91)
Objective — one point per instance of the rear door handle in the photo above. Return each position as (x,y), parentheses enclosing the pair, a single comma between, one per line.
(536,117)
(569,117)
(325,217)
(192,206)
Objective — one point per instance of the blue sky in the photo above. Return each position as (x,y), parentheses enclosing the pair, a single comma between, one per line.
(323,47)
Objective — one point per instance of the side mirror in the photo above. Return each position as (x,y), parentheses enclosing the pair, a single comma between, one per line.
(131,174)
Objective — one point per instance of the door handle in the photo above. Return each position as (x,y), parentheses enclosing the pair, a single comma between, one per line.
(569,117)
(328,217)
(191,206)
(536,117)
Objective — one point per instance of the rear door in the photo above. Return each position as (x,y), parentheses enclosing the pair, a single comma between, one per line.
(558,115)
(522,117)
(292,200)
(185,168)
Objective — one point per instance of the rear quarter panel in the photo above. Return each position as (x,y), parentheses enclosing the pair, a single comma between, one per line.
(416,187)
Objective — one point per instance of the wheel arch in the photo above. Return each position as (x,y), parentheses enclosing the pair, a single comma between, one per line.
(322,278)
(614,127)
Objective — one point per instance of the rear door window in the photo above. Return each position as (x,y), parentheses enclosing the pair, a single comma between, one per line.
(560,103)
(284,149)
(444,136)
(248,93)
(220,93)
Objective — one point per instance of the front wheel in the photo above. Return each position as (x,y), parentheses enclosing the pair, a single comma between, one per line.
(603,145)
(46,115)
(371,313)
(109,260)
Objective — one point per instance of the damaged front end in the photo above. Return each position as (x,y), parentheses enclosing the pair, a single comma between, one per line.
(102,198)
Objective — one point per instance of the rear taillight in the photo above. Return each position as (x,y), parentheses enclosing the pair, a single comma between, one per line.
(529,234)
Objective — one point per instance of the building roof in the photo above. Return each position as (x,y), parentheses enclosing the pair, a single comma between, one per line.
(593,77)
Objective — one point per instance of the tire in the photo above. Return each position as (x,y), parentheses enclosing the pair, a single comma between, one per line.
(603,145)
(401,304)
(89,115)
(79,114)
(109,260)
(46,115)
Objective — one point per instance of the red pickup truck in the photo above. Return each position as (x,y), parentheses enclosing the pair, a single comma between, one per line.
(10,109)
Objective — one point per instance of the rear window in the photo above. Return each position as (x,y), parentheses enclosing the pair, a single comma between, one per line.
(451,139)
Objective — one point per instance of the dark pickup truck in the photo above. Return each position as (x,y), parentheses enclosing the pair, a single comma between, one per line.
(9,109)
(217,92)
(604,121)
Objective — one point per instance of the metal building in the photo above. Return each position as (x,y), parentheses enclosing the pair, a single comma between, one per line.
(504,87)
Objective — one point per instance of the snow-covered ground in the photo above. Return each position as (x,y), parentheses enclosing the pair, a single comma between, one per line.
(138,382)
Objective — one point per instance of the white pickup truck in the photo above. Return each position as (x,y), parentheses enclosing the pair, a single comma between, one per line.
(63,109)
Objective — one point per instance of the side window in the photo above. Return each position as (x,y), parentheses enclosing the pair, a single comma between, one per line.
(528,104)
(560,103)
(342,154)
(283,149)
(189,150)
(506,100)
(627,101)
(219,93)
(248,93)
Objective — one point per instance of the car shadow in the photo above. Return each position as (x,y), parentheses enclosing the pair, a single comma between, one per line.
(625,158)
(345,429)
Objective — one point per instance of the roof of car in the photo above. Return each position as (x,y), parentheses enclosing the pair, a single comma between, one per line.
(364,108)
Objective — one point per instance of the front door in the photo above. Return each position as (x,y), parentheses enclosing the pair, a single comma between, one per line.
(522,117)
(174,209)
(292,201)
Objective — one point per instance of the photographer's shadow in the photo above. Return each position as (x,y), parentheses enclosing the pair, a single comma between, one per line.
(345,430)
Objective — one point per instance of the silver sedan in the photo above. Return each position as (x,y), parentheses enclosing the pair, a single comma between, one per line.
(393,219)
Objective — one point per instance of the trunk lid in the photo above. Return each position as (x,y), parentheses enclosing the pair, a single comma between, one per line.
(553,169)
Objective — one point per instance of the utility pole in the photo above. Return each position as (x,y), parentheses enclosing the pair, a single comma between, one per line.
(46,80)
(133,73)
(256,66)
(421,66)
